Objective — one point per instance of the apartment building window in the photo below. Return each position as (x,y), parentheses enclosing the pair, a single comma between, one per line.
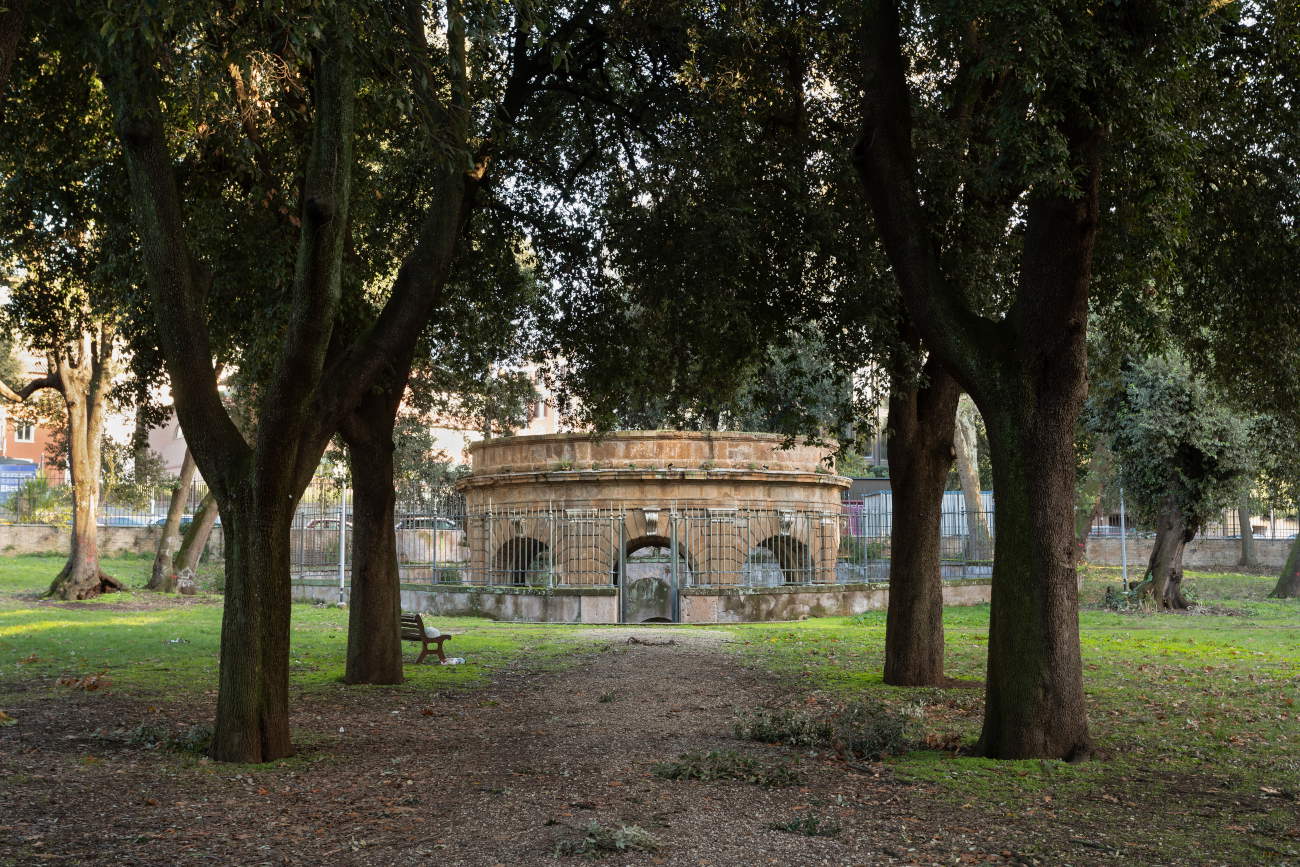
(24,432)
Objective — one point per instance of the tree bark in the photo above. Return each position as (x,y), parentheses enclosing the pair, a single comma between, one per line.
(375,604)
(1027,373)
(1288,583)
(252,721)
(1248,556)
(83,374)
(921,421)
(196,536)
(163,577)
(965,442)
(1165,565)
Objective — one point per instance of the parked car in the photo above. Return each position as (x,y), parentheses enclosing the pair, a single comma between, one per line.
(123,521)
(427,522)
(325,524)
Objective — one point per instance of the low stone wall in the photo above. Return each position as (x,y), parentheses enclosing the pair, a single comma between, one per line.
(524,604)
(44,539)
(1199,554)
(600,604)
(749,604)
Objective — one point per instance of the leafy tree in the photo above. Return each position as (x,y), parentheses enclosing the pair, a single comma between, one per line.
(61,229)
(991,136)
(1182,455)
(318,100)
(743,289)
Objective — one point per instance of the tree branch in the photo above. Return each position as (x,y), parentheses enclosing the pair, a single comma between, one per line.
(887,165)
(321,242)
(177,280)
(50,381)
(385,350)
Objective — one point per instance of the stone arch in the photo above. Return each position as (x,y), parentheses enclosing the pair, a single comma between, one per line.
(521,560)
(793,556)
(650,593)
(650,541)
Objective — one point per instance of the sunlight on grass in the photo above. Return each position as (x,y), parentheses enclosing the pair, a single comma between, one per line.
(41,625)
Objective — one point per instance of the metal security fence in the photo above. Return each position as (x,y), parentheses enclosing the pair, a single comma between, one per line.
(1227,524)
(43,496)
(553,545)
(430,533)
(965,538)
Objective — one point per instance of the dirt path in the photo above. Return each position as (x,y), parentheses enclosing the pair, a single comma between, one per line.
(493,776)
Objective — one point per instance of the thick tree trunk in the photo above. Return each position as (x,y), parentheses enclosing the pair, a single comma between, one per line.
(252,722)
(196,536)
(1248,557)
(82,382)
(163,578)
(1026,371)
(1165,566)
(921,422)
(979,544)
(1034,703)
(375,605)
(1288,583)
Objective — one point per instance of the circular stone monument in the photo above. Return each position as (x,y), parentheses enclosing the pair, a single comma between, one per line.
(647,526)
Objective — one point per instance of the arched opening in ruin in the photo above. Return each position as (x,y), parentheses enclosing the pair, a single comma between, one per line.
(780,559)
(522,560)
(649,576)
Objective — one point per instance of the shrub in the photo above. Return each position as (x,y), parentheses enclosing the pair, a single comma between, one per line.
(858,551)
(598,840)
(36,501)
(863,730)
(195,739)
(726,765)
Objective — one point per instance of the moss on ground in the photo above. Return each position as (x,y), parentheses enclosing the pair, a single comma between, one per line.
(1196,716)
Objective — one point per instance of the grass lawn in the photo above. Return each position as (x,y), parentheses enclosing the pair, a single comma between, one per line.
(1195,716)
(151,645)
(1184,708)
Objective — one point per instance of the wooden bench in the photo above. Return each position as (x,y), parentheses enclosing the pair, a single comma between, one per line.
(413,630)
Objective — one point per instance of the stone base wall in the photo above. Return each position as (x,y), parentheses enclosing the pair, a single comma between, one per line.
(41,539)
(751,604)
(520,604)
(1217,554)
(600,604)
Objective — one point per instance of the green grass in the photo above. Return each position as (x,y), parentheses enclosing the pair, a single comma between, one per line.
(1177,702)
(152,645)
(1194,715)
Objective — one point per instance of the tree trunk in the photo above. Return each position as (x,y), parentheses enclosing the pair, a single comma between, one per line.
(1248,557)
(83,376)
(375,604)
(252,722)
(1034,704)
(1165,566)
(196,536)
(979,544)
(163,578)
(1288,583)
(921,422)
